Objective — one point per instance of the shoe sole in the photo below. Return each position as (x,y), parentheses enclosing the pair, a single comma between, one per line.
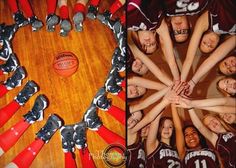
(51,23)
(65,28)
(78,20)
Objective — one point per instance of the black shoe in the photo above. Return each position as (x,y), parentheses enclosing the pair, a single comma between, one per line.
(67,134)
(8,31)
(20,20)
(65,27)
(52,20)
(29,89)
(78,19)
(36,114)
(80,135)
(52,125)
(16,79)
(11,64)
(104,17)
(92,12)
(114,72)
(35,23)
(118,61)
(6,50)
(91,118)
(101,101)
(111,84)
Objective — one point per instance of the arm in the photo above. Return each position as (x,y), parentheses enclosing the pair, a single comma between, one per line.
(180,142)
(200,27)
(148,101)
(220,109)
(212,137)
(146,83)
(167,47)
(151,66)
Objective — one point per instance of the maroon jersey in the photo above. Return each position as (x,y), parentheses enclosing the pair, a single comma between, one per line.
(222,17)
(136,155)
(184,7)
(144,15)
(163,156)
(203,158)
(226,146)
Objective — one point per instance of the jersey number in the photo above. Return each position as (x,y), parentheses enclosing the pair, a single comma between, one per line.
(185,6)
(173,163)
(201,164)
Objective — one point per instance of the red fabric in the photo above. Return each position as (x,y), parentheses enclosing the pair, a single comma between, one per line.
(122,95)
(25,5)
(123,20)
(123,83)
(51,6)
(3,90)
(115,6)
(94,2)
(13,5)
(109,136)
(69,160)
(26,157)
(79,7)
(1,72)
(8,111)
(118,113)
(64,12)
(86,158)
(11,136)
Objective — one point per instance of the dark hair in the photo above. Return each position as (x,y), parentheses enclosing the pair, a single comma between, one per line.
(161,123)
(202,139)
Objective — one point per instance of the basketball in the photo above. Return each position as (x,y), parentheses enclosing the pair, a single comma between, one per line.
(65,64)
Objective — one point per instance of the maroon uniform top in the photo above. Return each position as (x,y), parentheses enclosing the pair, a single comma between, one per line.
(144,15)
(136,155)
(163,156)
(201,158)
(226,146)
(222,17)
(184,7)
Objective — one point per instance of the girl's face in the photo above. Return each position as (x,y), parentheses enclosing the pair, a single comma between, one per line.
(148,41)
(228,85)
(209,42)
(167,129)
(213,124)
(228,65)
(229,118)
(135,91)
(138,67)
(180,28)
(191,137)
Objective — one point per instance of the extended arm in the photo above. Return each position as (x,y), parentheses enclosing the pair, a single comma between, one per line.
(220,109)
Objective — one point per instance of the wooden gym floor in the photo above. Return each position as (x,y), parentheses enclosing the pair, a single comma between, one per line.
(68,97)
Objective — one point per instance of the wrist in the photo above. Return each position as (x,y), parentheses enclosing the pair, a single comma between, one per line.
(193,81)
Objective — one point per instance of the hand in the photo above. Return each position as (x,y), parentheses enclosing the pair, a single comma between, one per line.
(134,119)
(171,96)
(179,86)
(189,88)
(184,103)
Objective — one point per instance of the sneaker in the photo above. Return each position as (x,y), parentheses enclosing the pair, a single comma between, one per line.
(29,89)
(101,101)
(118,61)
(36,114)
(80,135)
(78,19)
(16,79)
(52,20)
(8,31)
(92,12)
(104,17)
(91,118)
(67,134)
(35,23)
(6,50)
(52,125)
(11,64)
(116,75)
(20,20)
(111,85)
(65,27)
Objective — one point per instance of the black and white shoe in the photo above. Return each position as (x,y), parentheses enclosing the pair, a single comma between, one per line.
(36,114)
(52,125)
(65,27)
(92,12)
(111,83)
(67,134)
(11,64)
(6,49)
(51,21)
(29,90)
(118,61)
(35,23)
(104,17)
(7,31)
(80,135)
(91,118)
(16,79)
(78,19)
(19,18)
(101,100)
